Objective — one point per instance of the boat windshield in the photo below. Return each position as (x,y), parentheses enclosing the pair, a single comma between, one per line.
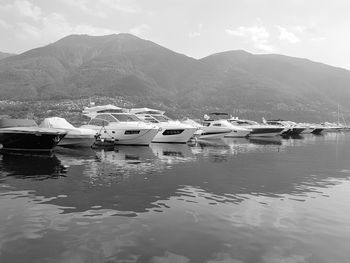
(161,118)
(126,117)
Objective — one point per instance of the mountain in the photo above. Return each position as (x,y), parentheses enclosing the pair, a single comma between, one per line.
(151,75)
(5,55)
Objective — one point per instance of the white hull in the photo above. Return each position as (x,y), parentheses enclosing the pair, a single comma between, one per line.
(143,137)
(212,132)
(82,141)
(266,134)
(213,136)
(237,134)
(174,138)
(308,130)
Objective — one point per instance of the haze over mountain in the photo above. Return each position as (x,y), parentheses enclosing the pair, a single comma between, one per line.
(146,73)
(5,55)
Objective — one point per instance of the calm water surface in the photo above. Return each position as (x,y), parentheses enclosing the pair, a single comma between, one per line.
(222,201)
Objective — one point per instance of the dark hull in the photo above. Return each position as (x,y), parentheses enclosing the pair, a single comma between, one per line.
(263,131)
(34,142)
(293,132)
(317,131)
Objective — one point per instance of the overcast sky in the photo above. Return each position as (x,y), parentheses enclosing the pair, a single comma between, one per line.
(315,29)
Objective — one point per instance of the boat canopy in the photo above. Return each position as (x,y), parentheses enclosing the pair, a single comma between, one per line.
(56,123)
(9,123)
(145,111)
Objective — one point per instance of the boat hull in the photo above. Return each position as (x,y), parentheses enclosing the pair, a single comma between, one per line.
(132,135)
(265,132)
(35,142)
(237,134)
(317,131)
(293,132)
(77,141)
(174,135)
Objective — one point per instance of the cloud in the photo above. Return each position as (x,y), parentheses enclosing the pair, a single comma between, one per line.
(139,30)
(126,6)
(257,34)
(4,24)
(288,36)
(54,26)
(45,27)
(196,33)
(27,9)
(316,39)
(102,8)
(300,29)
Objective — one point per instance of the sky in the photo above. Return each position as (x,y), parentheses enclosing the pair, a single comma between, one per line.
(318,30)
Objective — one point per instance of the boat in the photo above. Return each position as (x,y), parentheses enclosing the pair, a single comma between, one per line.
(25,135)
(219,119)
(75,137)
(113,123)
(311,128)
(291,128)
(207,132)
(257,129)
(170,131)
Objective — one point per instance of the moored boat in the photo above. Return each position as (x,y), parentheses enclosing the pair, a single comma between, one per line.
(218,119)
(208,131)
(291,128)
(25,135)
(122,127)
(75,137)
(257,129)
(170,131)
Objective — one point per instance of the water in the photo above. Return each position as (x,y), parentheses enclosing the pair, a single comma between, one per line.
(223,201)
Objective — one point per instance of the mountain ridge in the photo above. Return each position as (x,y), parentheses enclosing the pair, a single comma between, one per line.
(144,72)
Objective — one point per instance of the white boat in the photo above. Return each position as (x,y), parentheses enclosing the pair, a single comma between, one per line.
(257,129)
(208,131)
(291,128)
(218,119)
(75,137)
(170,131)
(113,123)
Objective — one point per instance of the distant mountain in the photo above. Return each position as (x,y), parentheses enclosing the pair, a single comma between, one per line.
(5,55)
(148,74)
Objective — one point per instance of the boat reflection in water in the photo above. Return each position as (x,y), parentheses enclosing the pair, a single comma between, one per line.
(272,201)
(172,153)
(222,149)
(31,166)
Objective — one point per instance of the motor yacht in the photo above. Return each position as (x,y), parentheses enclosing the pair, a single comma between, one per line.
(218,119)
(257,129)
(311,128)
(291,128)
(170,131)
(25,135)
(113,123)
(207,132)
(75,137)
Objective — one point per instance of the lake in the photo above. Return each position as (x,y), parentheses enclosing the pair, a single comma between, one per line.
(232,200)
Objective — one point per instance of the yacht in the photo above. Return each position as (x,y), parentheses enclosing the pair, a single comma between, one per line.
(218,119)
(113,123)
(25,135)
(257,129)
(170,131)
(75,137)
(207,132)
(291,128)
(311,128)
